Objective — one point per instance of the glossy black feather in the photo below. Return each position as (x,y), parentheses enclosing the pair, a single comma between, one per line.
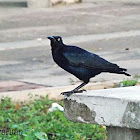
(80,62)
(80,57)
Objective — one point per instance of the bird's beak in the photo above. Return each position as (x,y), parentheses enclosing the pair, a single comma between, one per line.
(50,37)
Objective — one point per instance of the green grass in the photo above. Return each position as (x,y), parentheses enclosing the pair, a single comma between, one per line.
(37,123)
(128,83)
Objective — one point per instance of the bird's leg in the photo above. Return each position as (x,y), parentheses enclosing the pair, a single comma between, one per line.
(76,90)
(80,86)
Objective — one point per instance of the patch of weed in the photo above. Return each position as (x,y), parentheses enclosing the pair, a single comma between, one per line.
(36,123)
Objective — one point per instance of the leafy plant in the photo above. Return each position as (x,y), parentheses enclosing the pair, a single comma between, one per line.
(128,83)
(36,123)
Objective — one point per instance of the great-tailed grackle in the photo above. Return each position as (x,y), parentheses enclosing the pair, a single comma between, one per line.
(80,62)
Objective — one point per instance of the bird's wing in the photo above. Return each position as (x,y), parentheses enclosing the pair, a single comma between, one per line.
(79,57)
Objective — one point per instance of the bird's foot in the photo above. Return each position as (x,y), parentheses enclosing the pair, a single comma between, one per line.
(68,93)
(80,91)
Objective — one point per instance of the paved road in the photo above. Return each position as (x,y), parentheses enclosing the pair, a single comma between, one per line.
(111,30)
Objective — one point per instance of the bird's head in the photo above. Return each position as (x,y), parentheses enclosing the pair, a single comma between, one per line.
(55,40)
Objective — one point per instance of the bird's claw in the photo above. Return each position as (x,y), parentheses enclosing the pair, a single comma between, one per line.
(80,91)
(68,93)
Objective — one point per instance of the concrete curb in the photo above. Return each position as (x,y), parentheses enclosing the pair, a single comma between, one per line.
(52,92)
(117,109)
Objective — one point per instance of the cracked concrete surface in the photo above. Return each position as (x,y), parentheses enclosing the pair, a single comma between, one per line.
(110,107)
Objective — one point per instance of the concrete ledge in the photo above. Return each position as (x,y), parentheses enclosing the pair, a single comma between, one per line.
(117,133)
(52,92)
(118,107)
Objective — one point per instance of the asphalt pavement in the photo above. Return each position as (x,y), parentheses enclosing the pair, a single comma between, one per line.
(111,30)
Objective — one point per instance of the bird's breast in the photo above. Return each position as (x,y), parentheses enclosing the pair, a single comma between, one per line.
(59,58)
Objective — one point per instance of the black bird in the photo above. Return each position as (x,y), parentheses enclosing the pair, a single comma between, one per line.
(80,62)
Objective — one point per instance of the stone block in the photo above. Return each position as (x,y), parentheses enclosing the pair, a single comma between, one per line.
(110,107)
(117,108)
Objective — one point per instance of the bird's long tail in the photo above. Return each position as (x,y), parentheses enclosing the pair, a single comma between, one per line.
(122,71)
